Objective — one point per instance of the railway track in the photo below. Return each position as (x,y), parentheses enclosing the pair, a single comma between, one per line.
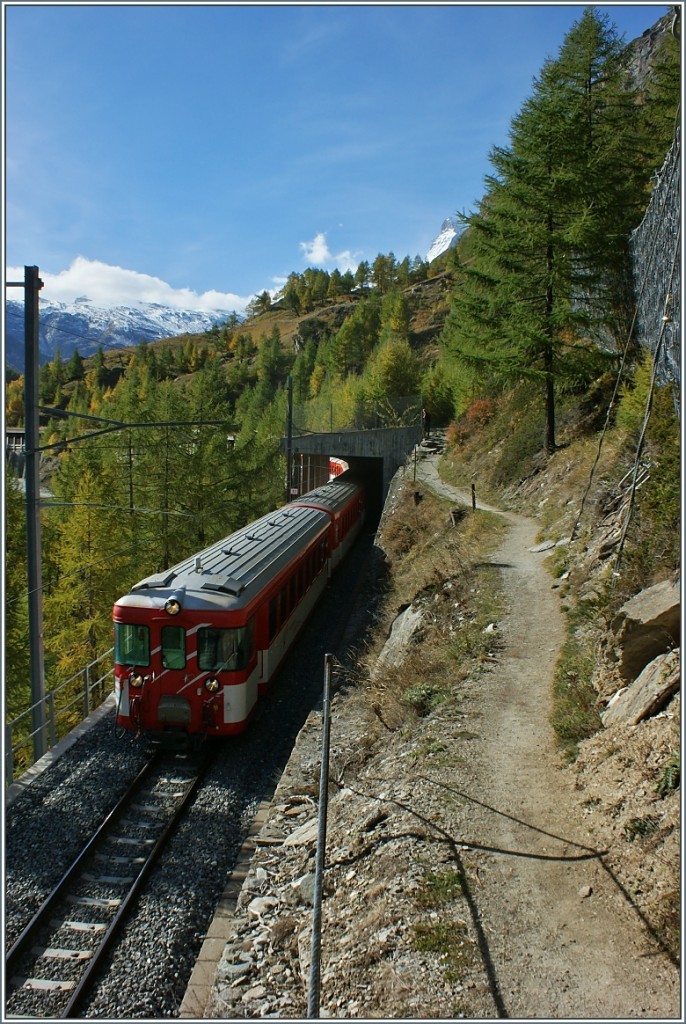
(52,963)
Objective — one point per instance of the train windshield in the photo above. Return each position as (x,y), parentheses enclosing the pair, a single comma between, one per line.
(131,644)
(225,649)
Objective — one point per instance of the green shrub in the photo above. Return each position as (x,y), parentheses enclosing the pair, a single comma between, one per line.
(423,698)
(670,775)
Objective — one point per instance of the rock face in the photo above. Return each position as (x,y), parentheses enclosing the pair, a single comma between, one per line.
(649,694)
(647,625)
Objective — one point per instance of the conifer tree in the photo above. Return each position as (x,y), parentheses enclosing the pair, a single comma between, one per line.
(548,268)
(91,552)
(75,367)
(17,666)
(362,274)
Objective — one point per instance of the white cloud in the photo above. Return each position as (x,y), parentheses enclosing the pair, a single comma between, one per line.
(108,286)
(317,253)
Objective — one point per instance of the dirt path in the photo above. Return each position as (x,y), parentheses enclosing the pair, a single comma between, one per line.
(560,937)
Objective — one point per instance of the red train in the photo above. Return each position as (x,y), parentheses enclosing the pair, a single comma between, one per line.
(196,645)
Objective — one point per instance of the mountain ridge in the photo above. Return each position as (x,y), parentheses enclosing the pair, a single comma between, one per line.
(82,326)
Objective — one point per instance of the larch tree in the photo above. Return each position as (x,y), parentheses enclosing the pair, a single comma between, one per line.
(548,255)
(17,665)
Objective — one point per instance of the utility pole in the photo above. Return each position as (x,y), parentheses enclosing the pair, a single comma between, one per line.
(32,285)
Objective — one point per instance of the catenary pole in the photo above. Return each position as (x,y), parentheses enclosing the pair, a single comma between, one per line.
(289,445)
(32,285)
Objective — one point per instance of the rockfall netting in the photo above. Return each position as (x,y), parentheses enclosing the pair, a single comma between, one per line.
(656,254)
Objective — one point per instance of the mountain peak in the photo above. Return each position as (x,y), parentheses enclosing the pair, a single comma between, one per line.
(451,230)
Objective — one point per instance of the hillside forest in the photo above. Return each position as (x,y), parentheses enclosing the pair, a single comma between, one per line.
(521,331)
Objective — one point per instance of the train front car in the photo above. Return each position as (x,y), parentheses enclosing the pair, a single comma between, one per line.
(196,645)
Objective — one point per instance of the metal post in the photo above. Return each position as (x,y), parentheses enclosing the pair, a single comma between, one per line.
(289,452)
(32,285)
(53,721)
(86,692)
(9,756)
(315,954)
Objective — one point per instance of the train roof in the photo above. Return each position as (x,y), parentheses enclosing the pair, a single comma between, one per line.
(230,573)
(332,496)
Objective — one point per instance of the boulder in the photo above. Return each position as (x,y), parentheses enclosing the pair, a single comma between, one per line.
(647,625)
(647,695)
(304,835)
(403,630)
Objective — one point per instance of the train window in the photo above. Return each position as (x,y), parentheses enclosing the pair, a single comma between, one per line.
(273,618)
(173,647)
(131,644)
(284,604)
(292,589)
(225,650)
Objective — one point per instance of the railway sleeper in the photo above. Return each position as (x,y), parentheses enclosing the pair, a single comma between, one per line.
(79,926)
(108,858)
(130,823)
(128,841)
(94,901)
(109,879)
(43,984)
(53,953)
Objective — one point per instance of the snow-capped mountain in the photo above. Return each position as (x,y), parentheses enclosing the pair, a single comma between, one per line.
(451,229)
(80,325)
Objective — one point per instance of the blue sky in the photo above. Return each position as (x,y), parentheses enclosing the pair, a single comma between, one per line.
(197,154)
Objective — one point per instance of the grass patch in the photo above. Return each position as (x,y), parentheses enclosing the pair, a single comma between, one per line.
(575,715)
(450,940)
(440,888)
(639,828)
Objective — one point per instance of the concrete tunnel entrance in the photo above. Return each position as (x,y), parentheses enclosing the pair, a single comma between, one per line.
(374,454)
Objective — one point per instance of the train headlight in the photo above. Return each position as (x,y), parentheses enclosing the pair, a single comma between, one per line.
(172,607)
(212,684)
(135,681)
